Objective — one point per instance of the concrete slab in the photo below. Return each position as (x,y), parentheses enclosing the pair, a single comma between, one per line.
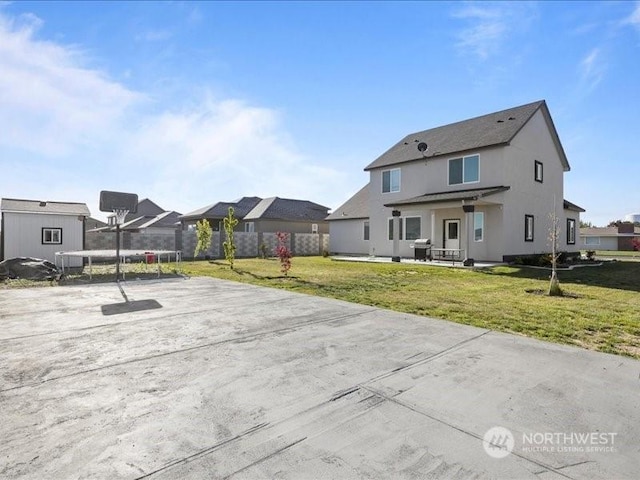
(231,380)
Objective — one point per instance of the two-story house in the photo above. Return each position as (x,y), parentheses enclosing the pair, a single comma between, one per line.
(483,189)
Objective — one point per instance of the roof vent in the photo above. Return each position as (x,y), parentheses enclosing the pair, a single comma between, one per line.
(43,204)
(499,121)
(512,118)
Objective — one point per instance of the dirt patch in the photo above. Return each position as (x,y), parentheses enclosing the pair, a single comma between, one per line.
(539,291)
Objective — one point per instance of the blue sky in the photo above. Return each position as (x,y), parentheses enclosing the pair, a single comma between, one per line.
(192,103)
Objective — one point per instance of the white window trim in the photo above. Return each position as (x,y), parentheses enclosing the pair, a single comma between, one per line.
(314,228)
(58,230)
(592,238)
(390,183)
(401,223)
(474,227)
(249,227)
(404,227)
(463,158)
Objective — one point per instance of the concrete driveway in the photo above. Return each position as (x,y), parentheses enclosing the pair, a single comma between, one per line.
(224,380)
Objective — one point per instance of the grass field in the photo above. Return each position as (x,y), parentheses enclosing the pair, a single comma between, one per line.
(602,313)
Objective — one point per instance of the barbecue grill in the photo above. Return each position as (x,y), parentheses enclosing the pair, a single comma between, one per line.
(422,249)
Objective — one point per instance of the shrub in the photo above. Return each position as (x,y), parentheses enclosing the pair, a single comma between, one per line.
(283,253)
(203,234)
(591,254)
(230,221)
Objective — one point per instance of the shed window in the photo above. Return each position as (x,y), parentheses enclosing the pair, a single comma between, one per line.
(51,236)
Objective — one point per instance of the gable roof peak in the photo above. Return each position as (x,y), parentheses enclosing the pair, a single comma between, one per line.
(487,130)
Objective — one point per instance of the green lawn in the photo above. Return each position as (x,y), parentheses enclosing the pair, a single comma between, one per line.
(602,314)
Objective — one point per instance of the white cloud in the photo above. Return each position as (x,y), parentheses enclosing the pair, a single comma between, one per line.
(592,68)
(634,18)
(68,131)
(490,24)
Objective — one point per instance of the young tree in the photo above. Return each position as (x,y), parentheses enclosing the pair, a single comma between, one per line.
(203,234)
(554,235)
(230,222)
(283,253)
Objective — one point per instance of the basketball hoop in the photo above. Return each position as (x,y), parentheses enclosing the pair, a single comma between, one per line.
(120,214)
(120,204)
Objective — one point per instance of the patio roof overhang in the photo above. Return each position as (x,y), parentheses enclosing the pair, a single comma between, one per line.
(473,194)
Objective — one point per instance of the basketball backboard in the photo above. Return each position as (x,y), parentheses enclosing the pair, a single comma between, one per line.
(112,201)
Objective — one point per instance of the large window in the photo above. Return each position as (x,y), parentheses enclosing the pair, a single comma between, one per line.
(592,240)
(537,171)
(528,228)
(464,170)
(51,236)
(478,226)
(366,230)
(410,228)
(571,231)
(391,180)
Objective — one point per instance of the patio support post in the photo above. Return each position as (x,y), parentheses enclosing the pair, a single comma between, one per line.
(396,235)
(468,210)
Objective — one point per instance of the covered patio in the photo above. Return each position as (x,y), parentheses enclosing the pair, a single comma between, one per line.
(462,225)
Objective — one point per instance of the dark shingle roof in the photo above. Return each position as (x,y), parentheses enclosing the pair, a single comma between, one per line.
(356,207)
(276,208)
(493,129)
(44,207)
(469,194)
(220,210)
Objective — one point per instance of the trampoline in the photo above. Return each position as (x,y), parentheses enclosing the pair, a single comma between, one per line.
(153,255)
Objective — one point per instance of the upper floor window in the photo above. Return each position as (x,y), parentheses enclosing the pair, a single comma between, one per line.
(314,228)
(391,180)
(366,230)
(249,227)
(464,170)
(571,231)
(51,236)
(538,171)
(528,228)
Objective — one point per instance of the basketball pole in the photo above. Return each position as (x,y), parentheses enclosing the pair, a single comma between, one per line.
(117,250)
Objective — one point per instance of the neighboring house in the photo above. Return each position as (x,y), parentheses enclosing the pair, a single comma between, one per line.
(216,212)
(609,238)
(93,223)
(149,218)
(277,214)
(150,228)
(484,188)
(265,215)
(34,228)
